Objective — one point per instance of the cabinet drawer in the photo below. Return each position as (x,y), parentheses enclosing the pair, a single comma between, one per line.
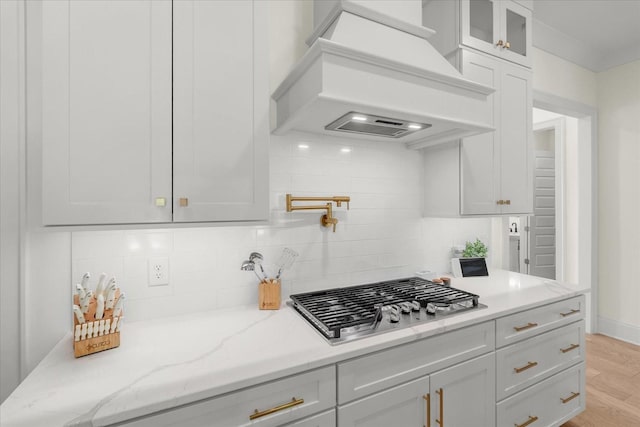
(518,326)
(549,403)
(291,399)
(527,362)
(369,374)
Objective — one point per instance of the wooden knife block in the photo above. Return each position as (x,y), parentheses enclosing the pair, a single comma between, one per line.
(269,294)
(103,342)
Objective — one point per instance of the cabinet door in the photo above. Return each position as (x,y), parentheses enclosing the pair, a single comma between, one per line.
(220,111)
(404,405)
(106,111)
(480,155)
(515,140)
(464,395)
(480,24)
(516,33)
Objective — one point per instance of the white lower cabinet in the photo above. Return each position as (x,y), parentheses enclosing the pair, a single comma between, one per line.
(404,405)
(464,395)
(273,404)
(548,403)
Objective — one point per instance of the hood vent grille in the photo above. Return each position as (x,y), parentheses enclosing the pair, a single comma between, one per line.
(368,124)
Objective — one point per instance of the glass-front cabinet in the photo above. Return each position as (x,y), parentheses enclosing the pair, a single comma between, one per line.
(499,27)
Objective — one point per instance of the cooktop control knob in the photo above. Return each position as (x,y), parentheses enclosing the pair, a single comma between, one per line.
(415,306)
(431,308)
(405,307)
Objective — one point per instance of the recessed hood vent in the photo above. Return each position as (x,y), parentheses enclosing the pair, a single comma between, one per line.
(375,125)
(365,59)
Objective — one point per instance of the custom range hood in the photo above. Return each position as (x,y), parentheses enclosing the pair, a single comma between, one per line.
(371,74)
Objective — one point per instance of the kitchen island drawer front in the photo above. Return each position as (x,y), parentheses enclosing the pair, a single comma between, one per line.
(272,404)
(549,403)
(378,371)
(527,362)
(518,326)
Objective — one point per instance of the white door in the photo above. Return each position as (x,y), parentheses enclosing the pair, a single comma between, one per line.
(220,111)
(542,229)
(404,405)
(466,393)
(106,111)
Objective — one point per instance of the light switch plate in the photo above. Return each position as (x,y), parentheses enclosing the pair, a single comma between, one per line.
(158,271)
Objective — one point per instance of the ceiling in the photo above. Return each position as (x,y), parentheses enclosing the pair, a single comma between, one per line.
(596,34)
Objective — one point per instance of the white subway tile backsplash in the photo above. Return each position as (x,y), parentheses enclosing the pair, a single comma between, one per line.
(382,236)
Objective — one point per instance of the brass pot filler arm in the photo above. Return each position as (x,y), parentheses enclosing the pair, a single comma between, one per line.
(327,219)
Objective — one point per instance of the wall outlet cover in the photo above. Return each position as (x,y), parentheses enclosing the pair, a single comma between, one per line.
(159,271)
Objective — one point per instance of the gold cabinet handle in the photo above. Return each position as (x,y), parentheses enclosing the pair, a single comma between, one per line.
(258,414)
(572,311)
(507,45)
(500,43)
(441,420)
(571,347)
(183,202)
(160,202)
(427,397)
(507,202)
(525,327)
(567,399)
(532,419)
(500,202)
(525,367)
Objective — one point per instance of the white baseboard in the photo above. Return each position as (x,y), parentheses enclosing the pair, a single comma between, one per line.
(619,330)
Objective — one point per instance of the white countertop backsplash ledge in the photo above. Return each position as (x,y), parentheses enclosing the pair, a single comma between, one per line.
(178,360)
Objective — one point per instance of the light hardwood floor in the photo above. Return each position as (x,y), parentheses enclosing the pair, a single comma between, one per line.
(613,384)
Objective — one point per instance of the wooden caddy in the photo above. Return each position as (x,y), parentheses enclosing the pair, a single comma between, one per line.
(269,294)
(95,344)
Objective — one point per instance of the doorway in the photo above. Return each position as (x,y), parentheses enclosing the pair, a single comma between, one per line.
(540,238)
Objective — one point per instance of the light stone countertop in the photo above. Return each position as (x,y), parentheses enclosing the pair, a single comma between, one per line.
(173,361)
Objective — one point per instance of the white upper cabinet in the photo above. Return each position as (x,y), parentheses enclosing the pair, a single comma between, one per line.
(117,148)
(220,111)
(106,111)
(498,27)
(488,174)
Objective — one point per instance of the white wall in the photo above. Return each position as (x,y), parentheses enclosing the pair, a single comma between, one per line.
(619,200)
(562,78)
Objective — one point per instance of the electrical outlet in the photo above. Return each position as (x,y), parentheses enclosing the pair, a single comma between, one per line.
(158,271)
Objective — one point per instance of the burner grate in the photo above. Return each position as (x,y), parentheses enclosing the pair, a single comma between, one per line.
(334,311)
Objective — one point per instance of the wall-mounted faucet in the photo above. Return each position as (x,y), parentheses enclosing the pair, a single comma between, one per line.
(514,227)
(327,219)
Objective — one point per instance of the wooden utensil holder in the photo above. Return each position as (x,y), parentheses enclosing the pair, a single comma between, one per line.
(269,294)
(95,344)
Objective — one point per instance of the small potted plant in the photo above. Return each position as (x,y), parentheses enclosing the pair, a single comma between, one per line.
(475,249)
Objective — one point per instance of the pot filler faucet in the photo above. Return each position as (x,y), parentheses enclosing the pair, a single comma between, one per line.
(327,219)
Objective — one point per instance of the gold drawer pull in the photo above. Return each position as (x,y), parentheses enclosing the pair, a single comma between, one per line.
(527,326)
(532,419)
(571,347)
(258,414)
(573,396)
(441,420)
(427,397)
(573,311)
(524,368)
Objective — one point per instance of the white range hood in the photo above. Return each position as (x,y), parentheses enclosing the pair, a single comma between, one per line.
(371,74)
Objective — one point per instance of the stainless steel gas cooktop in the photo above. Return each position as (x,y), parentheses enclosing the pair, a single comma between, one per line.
(345,314)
